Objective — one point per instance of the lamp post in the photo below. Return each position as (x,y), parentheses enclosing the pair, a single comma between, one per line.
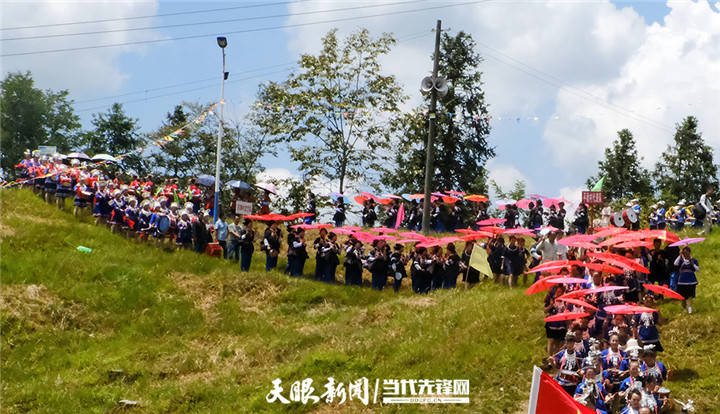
(222,42)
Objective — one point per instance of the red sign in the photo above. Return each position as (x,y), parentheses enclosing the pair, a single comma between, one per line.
(592,197)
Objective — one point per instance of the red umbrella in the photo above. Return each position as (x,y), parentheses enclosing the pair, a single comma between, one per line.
(575,294)
(403,241)
(549,228)
(633,244)
(607,231)
(477,236)
(450,199)
(613,259)
(663,235)
(476,198)
(491,221)
(601,267)
(603,289)
(663,290)
(312,226)
(299,215)
(361,199)
(566,316)
(578,303)
(567,280)
(466,231)
(492,229)
(411,235)
(628,309)
(382,230)
(417,196)
(567,241)
(584,245)
(343,230)
(556,264)
(520,230)
(439,242)
(539,286)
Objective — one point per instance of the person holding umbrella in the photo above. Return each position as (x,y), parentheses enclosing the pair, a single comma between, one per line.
(687,281)
(271,245)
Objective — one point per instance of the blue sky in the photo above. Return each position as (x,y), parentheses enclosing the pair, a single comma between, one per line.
(585,69)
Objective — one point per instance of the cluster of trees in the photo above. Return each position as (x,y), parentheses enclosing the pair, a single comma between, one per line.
(684,171)
(338,117)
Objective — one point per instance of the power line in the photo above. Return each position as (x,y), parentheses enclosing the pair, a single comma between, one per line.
(118,19)
(584,95)
(214,78)
(287,26)
(186,90)
(405,38)
(241,19)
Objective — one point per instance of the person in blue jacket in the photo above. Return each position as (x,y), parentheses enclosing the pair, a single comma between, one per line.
(686,280)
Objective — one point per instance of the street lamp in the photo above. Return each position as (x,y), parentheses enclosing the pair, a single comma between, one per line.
(222,42)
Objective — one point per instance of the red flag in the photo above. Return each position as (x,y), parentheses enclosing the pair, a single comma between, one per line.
(548,397)
(400,216)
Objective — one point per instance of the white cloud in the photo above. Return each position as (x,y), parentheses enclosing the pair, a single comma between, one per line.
(505,175)
(79,71)
(602,69)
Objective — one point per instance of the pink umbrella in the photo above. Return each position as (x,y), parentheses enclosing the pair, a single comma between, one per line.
(493,230)
(578,302)
(566,316)
(312,226)
(343,230)
(584,245)
(411,235)
(476,236)
(607,231)
(491,221)
(602,267)
(537,196)
(567,280)
(686,241)
(576,238)
(385,237)
(619,261)
(549,228)
(403,241)
(382,230)
(524,203)
(633,244)
(520,230)
(628,309)
(439,194)
(663,290)
(391,196)
(416,196)
(604,289)
(457,193)
(575,294)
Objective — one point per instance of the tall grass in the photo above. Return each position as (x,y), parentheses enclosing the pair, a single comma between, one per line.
(181,332)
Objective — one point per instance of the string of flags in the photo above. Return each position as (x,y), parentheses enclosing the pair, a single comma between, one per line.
(347,111)
(160,142)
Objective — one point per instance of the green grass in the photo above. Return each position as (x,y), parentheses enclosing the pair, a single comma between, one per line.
(193,334)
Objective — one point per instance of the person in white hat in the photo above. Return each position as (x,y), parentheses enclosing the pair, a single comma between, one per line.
(635,206)
(661,215)
(705,204)
(652,217)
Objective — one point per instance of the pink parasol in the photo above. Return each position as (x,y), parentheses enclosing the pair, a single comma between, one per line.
(628,309)
(619,261)
(584,245)
(520,230)
(539,286)
(601,267)
(607,231)
(343,230)
(578,302)
(403,241)
(475,236)
(391,196)
(457,193)
(312,226)
(604,289)
(493,230)
(537,196)
(411,235)
(687,241)
(567,280)
(299,215)
(559,264)
(382,230)
(663,235)
(575,294)
(566,316)
(549,228)
(525,203)
(417,196)
(663,290)
(491,221)
(438,194)
(478,198)
(633,244)
(439,242)
(576,238)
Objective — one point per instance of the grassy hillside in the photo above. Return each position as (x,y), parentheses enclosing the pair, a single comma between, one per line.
(181,332)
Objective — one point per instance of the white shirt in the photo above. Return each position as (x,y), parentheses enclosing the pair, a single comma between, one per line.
(551,251)
(707,205)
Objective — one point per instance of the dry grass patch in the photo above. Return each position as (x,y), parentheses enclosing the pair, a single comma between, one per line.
(36,307)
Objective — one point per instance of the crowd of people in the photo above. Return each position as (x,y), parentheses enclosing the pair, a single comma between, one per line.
(606,360)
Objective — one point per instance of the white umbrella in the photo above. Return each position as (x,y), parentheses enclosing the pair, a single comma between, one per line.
(267,187)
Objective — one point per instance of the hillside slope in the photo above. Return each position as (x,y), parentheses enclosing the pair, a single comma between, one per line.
(180,332)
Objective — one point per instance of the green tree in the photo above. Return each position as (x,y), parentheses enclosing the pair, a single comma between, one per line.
(624,176)
(30,117)
(460,146)
(116,133)
(686,168)
(331,109)
(517,192)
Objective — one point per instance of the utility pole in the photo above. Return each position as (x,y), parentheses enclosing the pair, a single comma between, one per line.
(429,171)
(222,42)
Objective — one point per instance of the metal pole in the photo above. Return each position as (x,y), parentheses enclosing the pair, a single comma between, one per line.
(220,134)
(429,171)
